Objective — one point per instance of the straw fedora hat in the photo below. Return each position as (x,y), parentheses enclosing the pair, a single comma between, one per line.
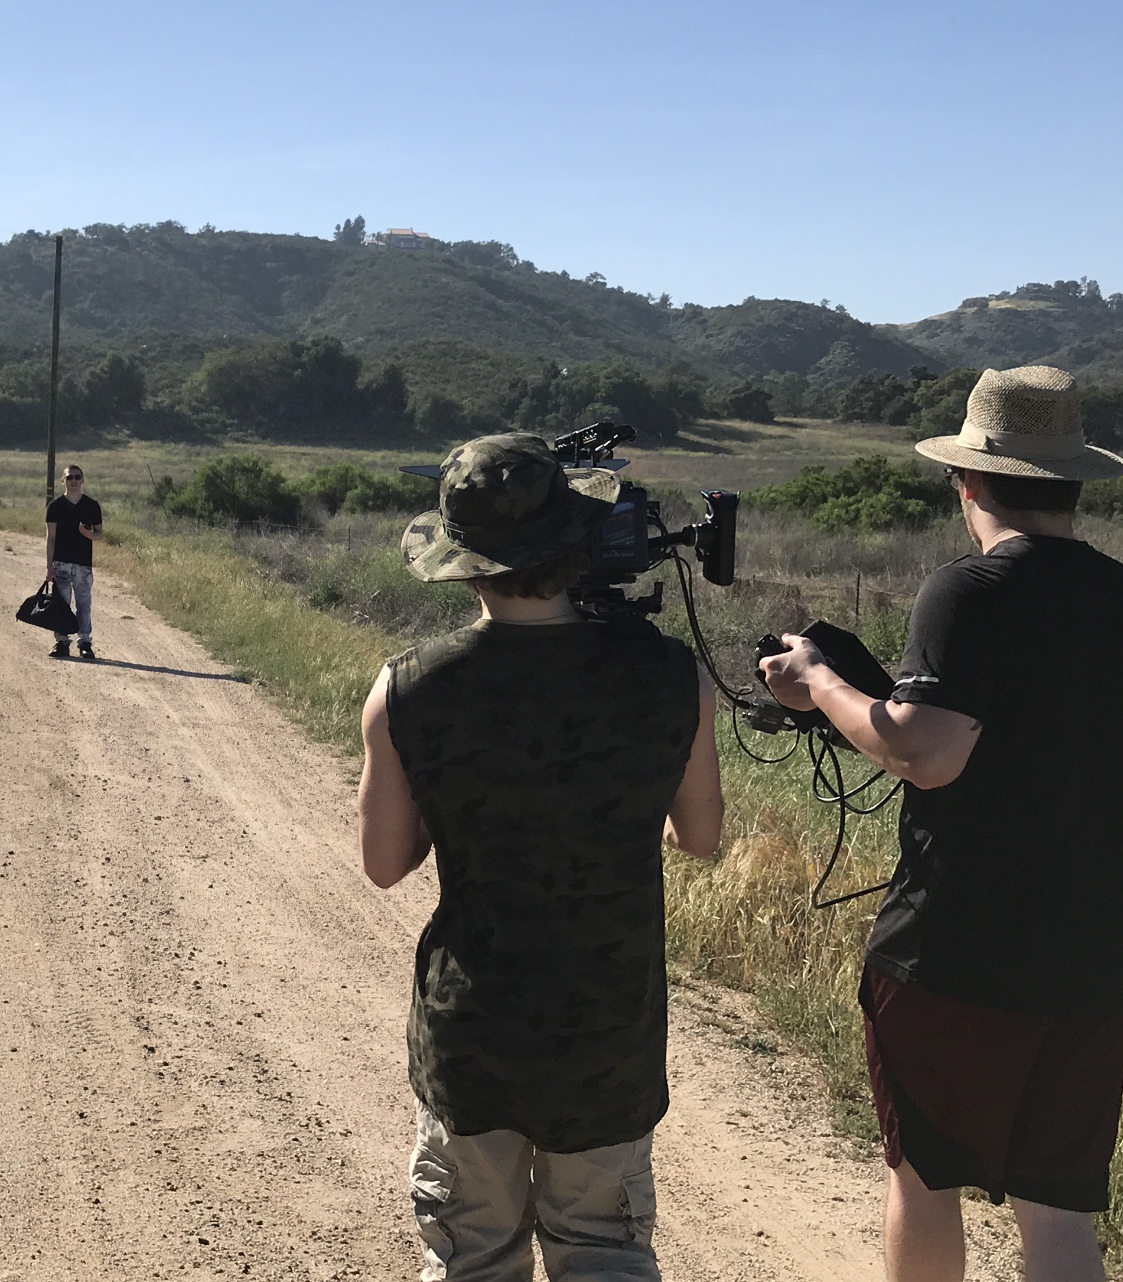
(1024,422)
(506,504)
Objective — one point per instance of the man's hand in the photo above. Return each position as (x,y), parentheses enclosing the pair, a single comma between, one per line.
(788,674)
(50,572)
(91,532)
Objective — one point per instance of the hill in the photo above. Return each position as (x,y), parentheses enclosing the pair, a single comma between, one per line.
(121,285)
(175,334)
(1068,323)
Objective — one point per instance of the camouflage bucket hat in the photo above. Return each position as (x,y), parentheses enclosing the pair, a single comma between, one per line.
(506,504)
(1024,422)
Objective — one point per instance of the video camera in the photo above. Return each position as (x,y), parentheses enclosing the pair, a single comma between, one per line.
(622,548)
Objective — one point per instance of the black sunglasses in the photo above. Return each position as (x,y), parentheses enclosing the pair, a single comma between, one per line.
(953,475)
(74,476)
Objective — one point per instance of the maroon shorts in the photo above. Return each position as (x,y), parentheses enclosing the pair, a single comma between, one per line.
(1009,1102)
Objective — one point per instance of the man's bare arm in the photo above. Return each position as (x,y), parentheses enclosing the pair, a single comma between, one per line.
(392,836)
(927,746)
(694,822)
(91,532)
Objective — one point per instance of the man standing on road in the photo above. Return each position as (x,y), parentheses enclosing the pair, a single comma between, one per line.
(544,757)
(73,527)
(993,989)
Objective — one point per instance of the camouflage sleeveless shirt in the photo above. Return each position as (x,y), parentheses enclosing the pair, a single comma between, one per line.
(543,760)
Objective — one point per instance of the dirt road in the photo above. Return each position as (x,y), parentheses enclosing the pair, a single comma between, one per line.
(202,1070)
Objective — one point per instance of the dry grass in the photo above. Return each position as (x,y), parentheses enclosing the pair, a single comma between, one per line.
(747,920)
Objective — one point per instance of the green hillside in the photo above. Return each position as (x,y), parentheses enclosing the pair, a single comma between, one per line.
(1068,323)
(760,336)
(121,285)
(195,336)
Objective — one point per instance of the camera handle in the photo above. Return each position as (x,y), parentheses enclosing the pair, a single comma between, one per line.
(713,538)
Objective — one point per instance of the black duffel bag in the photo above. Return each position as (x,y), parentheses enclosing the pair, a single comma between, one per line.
(46,609)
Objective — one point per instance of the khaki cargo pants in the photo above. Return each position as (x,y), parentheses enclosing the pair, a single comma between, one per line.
(479,1199)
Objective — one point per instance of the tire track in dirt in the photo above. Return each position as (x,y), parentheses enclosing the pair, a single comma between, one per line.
(202,1062)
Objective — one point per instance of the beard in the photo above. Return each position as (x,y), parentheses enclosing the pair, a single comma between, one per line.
(971,528)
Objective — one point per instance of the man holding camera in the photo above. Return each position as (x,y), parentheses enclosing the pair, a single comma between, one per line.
(993,988)
(544,757)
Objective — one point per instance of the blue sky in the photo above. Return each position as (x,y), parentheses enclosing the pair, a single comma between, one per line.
(890,156)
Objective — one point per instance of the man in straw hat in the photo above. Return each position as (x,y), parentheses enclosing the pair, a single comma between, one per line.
(544,757)
(993,989)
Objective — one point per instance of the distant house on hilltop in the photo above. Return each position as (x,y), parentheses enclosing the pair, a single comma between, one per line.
(400,238)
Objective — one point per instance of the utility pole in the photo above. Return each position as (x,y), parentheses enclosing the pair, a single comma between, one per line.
(52,412)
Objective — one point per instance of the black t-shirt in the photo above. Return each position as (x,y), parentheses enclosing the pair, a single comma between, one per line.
(1009,892)
(71,544)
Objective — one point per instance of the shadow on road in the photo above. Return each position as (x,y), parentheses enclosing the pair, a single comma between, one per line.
(170,672)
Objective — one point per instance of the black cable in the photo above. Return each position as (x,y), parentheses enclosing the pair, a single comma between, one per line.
(764,761)
(838,795)
(853,792)
(686,582)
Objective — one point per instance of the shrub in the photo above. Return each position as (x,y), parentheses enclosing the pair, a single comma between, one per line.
(869,494)
(1102,498)
(241,488)
(399,492)
(329,486)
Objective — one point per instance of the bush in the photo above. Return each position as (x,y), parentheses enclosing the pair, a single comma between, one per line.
(400,492)
(241,488)
(329,486)
(869,494)
(1102,498)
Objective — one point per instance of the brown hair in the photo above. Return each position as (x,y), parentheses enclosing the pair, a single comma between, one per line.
(1032,493)
(542,581)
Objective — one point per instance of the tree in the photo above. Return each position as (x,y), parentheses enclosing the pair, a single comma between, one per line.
(941,404)
(297,384)
(1102,408)
(440,415)
(112,390)
(351,233)
(749,403)
(389,394)
(557,399)
(875,398)
(484,253)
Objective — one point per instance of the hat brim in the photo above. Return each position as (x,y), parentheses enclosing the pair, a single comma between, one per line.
(431,556)
(1093,464)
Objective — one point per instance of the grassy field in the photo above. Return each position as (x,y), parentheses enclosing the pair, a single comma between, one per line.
(313,616)
(739,456)
(121,477)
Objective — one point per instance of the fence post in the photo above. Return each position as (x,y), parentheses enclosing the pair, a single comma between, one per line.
(52,403)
